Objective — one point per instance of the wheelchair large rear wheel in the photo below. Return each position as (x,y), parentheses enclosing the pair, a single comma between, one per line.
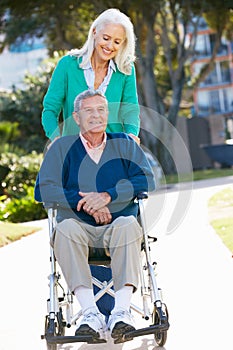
(160,335)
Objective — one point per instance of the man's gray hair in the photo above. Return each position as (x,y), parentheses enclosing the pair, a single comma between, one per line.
(86,94)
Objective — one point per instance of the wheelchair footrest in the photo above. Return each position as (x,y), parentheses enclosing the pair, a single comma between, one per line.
(73,339)
(142,331)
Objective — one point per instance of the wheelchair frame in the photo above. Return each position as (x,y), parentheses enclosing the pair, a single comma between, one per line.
(55,323)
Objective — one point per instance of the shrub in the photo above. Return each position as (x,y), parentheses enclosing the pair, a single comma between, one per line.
(17,202)
(22,171)
(23,108)
(8,132)
(22,209)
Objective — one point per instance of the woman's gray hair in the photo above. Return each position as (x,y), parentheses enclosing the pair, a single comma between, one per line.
(126,54)
(86,94)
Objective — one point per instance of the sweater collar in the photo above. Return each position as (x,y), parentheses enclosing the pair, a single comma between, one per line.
(88,65)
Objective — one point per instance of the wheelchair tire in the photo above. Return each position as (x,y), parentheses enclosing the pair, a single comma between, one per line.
(54,328)
(51,346)
(160,336)
(60,323)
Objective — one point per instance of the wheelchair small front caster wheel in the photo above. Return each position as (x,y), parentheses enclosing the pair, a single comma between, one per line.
(51,346)
(54,327)
(160,317)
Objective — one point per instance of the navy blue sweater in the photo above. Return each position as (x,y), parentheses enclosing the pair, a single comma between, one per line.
(123,171)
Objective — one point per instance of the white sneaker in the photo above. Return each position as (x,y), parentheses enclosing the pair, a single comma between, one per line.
(92,324)
(120,322)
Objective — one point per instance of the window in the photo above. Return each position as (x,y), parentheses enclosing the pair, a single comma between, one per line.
(228,99)
(225,72)
(214,101)
(202,47)
(219,75)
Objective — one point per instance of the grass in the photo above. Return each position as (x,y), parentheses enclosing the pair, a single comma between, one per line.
(223,199)
(224,228)
(199,175)
(11,232)
(221,205)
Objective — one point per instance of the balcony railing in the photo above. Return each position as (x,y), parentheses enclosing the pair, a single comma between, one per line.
(205,111)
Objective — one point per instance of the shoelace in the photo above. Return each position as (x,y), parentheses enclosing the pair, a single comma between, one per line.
(121,314)
(91,317)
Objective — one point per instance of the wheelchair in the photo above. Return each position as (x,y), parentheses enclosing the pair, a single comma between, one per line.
(60,314)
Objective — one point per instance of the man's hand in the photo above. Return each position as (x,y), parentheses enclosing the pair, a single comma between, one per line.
(102,216)
(93,201)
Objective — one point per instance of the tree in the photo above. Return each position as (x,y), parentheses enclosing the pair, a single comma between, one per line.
(63,24)
(162,28)
(22,108)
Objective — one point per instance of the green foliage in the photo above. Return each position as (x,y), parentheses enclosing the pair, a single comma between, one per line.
(22,171)
(198,175)
(20,110)
(163,54)
(23,208)
(219,16)
(63,24)
(8,132)
(17,202)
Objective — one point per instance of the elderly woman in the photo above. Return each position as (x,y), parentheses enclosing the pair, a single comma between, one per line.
(105,63)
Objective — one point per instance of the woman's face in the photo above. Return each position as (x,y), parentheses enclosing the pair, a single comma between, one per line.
(108,41)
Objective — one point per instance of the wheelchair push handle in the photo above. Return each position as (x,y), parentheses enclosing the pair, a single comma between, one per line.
(142,195)
(50,205)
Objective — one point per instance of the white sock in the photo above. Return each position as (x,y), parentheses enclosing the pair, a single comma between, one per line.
(86,299)
(122,299)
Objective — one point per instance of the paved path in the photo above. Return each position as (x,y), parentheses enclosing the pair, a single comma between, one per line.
(195,271)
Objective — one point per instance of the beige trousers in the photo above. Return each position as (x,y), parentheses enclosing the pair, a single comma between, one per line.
(122,238)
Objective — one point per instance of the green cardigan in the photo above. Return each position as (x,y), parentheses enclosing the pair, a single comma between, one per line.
(68,81)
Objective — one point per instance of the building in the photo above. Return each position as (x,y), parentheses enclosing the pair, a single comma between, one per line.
(213,99)
(211,125)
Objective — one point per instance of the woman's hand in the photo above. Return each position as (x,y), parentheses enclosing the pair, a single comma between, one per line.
(50,144)
(136,139)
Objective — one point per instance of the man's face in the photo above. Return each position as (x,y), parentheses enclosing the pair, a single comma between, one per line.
(93,115)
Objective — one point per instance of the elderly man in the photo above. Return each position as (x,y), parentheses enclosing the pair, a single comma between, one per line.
(94,177)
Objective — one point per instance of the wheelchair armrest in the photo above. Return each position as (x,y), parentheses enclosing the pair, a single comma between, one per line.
(54,205)
(142,195)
